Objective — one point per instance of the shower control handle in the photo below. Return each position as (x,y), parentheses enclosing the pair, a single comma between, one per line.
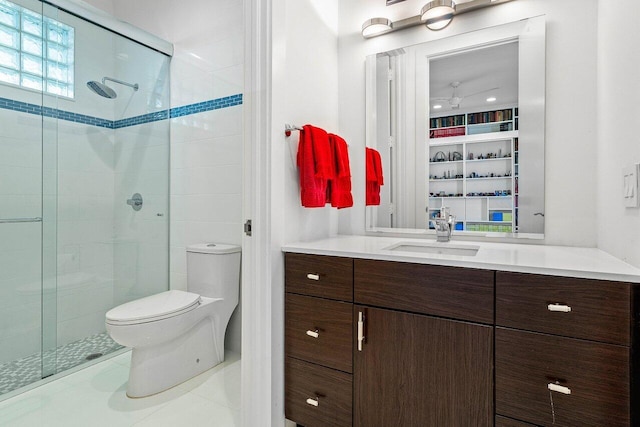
(135,202)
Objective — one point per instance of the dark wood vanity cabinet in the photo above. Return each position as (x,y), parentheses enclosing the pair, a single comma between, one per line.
(422,362)
(378,343)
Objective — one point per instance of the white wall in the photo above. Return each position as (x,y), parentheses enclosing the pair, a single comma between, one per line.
(571,141)
(618,112)
(305,83)
(304,91)
(206,148)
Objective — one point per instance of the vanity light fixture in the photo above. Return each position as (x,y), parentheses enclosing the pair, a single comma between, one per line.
(376,27)
(435,15)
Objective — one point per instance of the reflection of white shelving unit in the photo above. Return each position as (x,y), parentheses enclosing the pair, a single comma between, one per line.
(481,188)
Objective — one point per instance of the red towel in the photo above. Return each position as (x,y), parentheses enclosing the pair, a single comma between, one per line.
(374,177)
(340,185)
(315,165)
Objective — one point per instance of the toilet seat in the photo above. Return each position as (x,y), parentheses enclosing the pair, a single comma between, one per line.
(153,308)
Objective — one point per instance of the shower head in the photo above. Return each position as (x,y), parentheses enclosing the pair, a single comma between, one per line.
(105,91)
(102,89)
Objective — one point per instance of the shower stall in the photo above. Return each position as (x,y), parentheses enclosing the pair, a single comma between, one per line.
(84,184)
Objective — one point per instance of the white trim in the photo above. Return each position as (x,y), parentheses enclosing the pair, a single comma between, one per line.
(103,19)
(261,400)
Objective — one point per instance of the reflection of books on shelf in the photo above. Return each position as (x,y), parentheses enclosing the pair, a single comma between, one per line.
(446,132)
(490,116)
(449,121)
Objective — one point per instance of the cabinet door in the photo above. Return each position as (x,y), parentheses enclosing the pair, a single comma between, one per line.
(416,370)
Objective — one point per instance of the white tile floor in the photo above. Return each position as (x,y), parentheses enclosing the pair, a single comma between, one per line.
(96,397)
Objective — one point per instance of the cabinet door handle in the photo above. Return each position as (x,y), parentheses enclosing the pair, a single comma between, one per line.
(312,402)
(313,334)
(312,276)
(559,388)
(559,307)
(360,330)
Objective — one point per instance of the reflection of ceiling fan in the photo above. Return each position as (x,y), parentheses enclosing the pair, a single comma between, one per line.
(455,99)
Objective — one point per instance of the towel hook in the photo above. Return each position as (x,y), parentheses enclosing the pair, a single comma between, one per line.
(289,128)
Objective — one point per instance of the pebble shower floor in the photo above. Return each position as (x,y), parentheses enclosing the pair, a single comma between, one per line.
(21,372)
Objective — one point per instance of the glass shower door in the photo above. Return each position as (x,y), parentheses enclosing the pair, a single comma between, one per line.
(21,196)
(72,244)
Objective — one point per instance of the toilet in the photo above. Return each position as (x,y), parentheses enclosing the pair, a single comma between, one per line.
(176,335)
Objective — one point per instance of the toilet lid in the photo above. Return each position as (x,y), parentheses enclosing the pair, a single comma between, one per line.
(154,307)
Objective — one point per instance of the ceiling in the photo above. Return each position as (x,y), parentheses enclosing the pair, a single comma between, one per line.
(477,71)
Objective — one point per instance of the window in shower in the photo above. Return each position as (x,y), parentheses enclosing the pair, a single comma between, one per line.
(36,52)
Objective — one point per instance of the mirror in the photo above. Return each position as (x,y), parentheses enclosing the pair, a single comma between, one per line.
(459,123)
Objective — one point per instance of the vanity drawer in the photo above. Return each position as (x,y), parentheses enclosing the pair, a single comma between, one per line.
(460,293)
(597,375)
(332,390)
(319,276)
(600,310)
(319,331)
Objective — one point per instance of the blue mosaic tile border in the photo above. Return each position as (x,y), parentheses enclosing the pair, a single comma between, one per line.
(139,120)
(74,117)
(214,104)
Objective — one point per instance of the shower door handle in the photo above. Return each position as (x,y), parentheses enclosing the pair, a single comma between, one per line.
(15,220)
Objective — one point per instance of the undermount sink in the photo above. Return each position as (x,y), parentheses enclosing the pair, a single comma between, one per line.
(434,248)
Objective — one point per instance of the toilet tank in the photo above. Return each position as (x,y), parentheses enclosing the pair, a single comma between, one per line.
(213,270)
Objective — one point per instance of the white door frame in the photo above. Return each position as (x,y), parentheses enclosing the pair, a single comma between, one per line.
(262,391)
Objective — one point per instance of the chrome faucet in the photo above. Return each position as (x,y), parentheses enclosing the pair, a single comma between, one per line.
(445,222)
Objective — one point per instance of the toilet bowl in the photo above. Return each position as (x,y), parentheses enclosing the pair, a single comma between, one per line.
(176,335)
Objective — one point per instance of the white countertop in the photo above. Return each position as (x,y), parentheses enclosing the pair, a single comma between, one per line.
(590,263)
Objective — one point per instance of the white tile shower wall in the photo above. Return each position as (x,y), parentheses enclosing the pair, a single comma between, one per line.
(20,244)
(142,245)
(20,292)
(85,225)
(206,148)
(20,164)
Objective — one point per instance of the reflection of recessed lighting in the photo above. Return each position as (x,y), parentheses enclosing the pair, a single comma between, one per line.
(491,99)
(435,107)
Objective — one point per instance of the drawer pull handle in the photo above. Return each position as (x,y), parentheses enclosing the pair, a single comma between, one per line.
(312,276)
(312,402)
(313,334)
(559,388)
(559,307)
(360,330)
